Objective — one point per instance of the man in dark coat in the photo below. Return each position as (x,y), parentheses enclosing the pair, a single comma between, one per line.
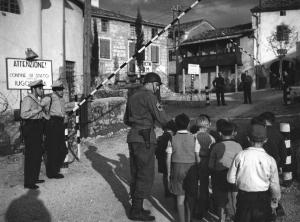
(247,83)
(219,84)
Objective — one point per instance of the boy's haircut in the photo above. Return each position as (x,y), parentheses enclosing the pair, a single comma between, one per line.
(268,116)
(182,121)
(170,126)
(258,120)
(219,124)
(227,128)
(203,121)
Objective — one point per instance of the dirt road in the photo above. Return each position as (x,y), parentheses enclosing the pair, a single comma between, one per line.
(96,188)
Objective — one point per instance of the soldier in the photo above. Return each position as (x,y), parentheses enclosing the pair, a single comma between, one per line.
(142,110)
(219,85)
(32,115)
(55,137)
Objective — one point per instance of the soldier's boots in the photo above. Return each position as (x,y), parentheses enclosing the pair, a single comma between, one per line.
(137,213)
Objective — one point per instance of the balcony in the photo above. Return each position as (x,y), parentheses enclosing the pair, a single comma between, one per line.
(226,59)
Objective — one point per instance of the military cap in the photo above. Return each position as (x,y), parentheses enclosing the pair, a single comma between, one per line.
(58,85)
(36,83)
(152,77)
(258,133)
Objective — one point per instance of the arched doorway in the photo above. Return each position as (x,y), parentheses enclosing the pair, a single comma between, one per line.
(288,66)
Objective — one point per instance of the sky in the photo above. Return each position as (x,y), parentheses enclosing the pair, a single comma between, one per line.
(221,13)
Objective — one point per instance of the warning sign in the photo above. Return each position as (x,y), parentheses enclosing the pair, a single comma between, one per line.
(21,72)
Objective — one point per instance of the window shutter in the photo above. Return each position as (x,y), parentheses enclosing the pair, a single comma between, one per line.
(105,48)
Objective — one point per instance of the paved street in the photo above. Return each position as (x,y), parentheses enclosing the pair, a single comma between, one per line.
(96,189)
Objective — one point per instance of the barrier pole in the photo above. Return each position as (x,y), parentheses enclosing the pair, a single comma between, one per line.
(77,127)
(207,96)
(287,168)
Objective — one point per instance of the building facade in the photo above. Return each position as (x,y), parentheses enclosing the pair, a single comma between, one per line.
(117,40)
(276,30)
(39,25)
(214,52)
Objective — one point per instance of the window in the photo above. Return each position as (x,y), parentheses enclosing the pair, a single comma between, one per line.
(282,13)
(155,54)
(10,6)
(131,50)
(282,33)
(172,55)
(154,31)
(104,48)
(70,66)
(132,30)
(104,25)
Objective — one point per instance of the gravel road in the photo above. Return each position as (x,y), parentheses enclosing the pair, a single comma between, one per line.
(96,188)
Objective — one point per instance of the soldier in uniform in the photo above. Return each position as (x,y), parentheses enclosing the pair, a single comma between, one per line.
(219,84)
(32,115)
(55,137)
(142,110)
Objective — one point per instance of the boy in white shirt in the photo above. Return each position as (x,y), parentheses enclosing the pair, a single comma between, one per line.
(255,174)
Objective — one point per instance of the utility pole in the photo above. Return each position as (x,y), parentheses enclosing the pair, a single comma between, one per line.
(176,38)
(86,47)
(86,66)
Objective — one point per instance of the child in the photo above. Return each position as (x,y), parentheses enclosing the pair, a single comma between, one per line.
(221,157)
(255,174)
(161,155)
(206,141)
(182,154)
(216,133)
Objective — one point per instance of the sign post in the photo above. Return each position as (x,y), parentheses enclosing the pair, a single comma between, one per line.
(193,69)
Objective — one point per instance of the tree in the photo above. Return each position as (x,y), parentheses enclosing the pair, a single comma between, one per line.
(95,54)
(281,41)
(139,42)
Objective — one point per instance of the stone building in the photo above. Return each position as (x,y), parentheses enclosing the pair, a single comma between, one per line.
(116,33)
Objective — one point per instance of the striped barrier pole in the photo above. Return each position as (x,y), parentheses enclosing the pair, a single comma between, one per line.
(77,128)
(288,96)
(134,56)
(65,165)
(287,168)
(207,96)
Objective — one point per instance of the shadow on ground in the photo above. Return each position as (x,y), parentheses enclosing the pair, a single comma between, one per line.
(27,208)
(116,173)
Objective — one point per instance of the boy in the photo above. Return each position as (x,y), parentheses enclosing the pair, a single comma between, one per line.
(254,172)
(161,155)
(206,141)
(182,154)
(221,157)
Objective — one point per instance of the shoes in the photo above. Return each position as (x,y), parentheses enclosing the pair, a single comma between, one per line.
(140,216)
(224,104)
(144,211)
(40,181)
(57,176)
(31,186)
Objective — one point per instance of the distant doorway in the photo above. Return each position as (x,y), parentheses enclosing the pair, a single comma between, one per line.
(288,66)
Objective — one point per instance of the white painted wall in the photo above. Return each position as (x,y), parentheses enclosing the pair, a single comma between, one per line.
(266,26)
(41,31)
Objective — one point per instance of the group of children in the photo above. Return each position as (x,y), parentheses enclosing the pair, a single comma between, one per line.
(244,180)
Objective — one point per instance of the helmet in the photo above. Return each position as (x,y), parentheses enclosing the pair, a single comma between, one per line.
(152,77)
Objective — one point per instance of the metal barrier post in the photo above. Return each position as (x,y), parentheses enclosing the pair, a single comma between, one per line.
(207,96)
(287,168)
(77,127)
(65,165)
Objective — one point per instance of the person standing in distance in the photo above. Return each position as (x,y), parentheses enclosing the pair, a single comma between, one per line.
(219,84)
(32,115)
(247,83)
(142,111)
(55,136)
